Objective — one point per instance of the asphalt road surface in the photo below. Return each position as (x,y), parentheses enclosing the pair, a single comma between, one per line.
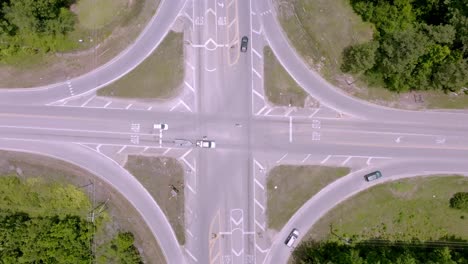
(225,208)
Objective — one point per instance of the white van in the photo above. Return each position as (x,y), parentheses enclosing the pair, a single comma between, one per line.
(292,237)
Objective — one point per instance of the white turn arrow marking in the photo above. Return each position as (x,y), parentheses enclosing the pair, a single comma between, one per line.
(221,4)
(398,140)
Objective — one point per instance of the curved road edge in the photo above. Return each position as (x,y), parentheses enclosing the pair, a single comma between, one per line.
(113,174)
(326,93)
(148,40)
(348,186)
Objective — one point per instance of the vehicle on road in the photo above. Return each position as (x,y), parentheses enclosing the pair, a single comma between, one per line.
(160,126)
(292,237)
(206,143)
(244,43)
(373,176)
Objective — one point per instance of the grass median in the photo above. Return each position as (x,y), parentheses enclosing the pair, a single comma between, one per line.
(160,176)
(399,210)
(280,88)
(289,187)
(158,77)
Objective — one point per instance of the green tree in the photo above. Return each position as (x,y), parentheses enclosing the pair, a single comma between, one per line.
(359,58)
(459,201)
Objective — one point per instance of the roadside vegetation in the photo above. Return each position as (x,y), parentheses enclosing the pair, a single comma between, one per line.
(280,88)
(158,77)
(163,178)
(43,42)
(289,187)
(417,208)
(53,205)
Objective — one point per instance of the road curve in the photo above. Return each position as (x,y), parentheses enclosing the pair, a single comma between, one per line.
(126,61)
(345,187)
(113,174)
(332,96)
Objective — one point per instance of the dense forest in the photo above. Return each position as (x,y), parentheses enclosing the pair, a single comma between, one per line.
(34,26)
(412,253)
(43,222)
(417,45)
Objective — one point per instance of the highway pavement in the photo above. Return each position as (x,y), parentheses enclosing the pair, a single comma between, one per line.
(225,187)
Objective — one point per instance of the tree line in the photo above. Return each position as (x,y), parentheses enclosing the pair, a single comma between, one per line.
(34,26)
(417,44)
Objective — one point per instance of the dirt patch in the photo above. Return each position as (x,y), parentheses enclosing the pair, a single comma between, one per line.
(163,178)
(95,49)
(123,216)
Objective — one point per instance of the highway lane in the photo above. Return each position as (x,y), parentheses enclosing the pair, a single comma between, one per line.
(348,186)
(117,177)
(131,57)
(331,96)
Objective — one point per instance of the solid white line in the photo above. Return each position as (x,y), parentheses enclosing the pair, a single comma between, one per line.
(128,106)
(190,254)
(284,156)
(261,110)
(87,101)
(256,73)
(259,205)
(314,113)
(107,104)
(121,149)
(77,130)
(326,159)
(188,232)
(259,184)
(306,158)
(290,129)
(259,225)
(256,53)
(225,233)
(346,160)
(258,164)
(258,94)
(186,106)
(189,86)
(190,188)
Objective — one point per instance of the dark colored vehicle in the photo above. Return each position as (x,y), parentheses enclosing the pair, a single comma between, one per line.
(292,237)
(244,43)
(373,176)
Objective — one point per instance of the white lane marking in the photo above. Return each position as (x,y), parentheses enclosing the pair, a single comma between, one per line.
(259,184)
(210,70)
(144,150)
(256,53)
(261,250)
(188,232)
(346,160)
(258,94)
(186,153)
(289,111)
(190,254)
(190,188)
(210,10)
(258,164)
(187,16)
(284,156)
(237,253)
(259,32)
(149,108)
(290,129)
(368,161)
(128,106)
(267,112)
(76,130)
(232,22)
(261,110)
(121,149)
(98,148)
(260,225)
(259,205)
(166,151)
(189,86)
(174,107)
(314,113)
(326,159)
(398,140)
(186,106)
(87,101)
(190,65)
(306,158)
(107,104)
(256,73)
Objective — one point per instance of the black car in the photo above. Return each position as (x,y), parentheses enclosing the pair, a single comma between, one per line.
(373,176)
(244,43)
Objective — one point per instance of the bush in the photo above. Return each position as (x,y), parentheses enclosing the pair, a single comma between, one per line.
(459,201)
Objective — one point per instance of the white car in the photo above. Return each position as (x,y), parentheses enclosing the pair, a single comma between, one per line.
(206,144)
(292,237)
(161,126)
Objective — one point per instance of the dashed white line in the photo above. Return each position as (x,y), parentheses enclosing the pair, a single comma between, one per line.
(258,94)
(326,159)
(189,86)
(128,106)
(284,156)
(306,158)
(87,101)
(290,129)
(256,73)
(121,149)
(256,53)
(346,160)
(190,254)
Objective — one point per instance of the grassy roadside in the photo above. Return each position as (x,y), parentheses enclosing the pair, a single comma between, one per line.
(105,27)
(119,215)
(400,210)
(289,187)
(158,175)
(159,76)
(280,88)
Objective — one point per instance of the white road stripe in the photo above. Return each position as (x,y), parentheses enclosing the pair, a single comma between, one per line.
(326,159)
(290,129)
(259,205)
(260,225)
(121,149)
(258,94)
(261,110)
(258,164)
(190,188)
(314,113)
(346,160)
(256,73)
(306,158)
(87,101)
(259,184)
(284,156)
(189,86)
(256,53)
(190,254)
